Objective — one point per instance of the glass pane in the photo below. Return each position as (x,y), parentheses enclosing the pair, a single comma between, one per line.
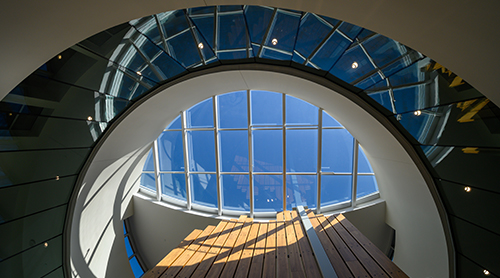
(184,49)
(329,121)
(201,151)
(301,150)
(36,229)
(353,65)
(234,150)
(350,30)
(148,181)
(174,185)
(204,189)
(312,31)
(40,260)
(232,31)
(335,189)
(337,146)
(301,190)
(266,108)
(200,115)
(128,247)
(268,193)
(175,124)
(171,151)
(232,109)
(136,268)
(363,164)
(366,185)
(383,98)
(331,50)
(37,196)
(235,192)
(383,50)
(267,150)
(258,19)
(149,165)
(299,112)
(283,32)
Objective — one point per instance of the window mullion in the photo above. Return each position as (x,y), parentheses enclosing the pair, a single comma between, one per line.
(354,173)
(217,155)
(318,171)
(156,161)
(250,156)
(284,150)
(186,160)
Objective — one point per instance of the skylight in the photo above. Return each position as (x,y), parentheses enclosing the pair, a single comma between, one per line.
(258,152)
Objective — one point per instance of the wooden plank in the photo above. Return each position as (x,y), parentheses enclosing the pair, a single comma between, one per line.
(198,256)
(281,249)
(295,263)
(224,253)
(269,270)
(214,251)
(258,254)
(167,261)
(364,258)
(338,264)
(351,261)
(391,268)
(247,255)
(234,257)
(188,253)
(311,266)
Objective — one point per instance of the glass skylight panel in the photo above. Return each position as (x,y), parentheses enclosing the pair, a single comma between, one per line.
(330,51)
(232,32)
(311,33)
(258,18)
(171,151)
(234,150)
(338,147)
(335,189)
(183,48)
(268,193)
(149,164)
(269,102)
(204,189)
(201,151)
(267,150)
(366,185)
(353,65)
(299,112)
(232,109)
(200,115)
(329,121)
(363,164)
(301,190)
(302,150)
(174,185)
(220,175)
(235,192)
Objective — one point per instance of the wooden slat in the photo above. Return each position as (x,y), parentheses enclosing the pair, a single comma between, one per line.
(269,270)
(364,258)
(392,269)
(224,253)
(311,267)
(258,254)
(281,249)
(198,256)
(188,253)
(234,258)
(294,260)
(351,261)
(338,264)
(167,261)
(247,255)
(209,259)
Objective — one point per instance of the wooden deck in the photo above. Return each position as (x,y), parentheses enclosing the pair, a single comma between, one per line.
(280,248)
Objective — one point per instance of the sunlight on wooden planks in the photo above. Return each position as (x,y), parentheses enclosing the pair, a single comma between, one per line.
(278,248)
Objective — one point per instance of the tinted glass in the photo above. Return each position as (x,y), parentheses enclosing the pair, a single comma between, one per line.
(335,189)
(174,185)
(204,189)
(301,190)
(234,151)
(268,192)
(171,151)
(301,150)
(235,192)
(233,110)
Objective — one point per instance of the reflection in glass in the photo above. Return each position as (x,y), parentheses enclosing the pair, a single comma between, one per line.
(235,192)
(170,151)
(232,110)
(174,185)
(366,185)
(234,150)
(301,190)
(335,189)
(201,151)
(204,189)
(267,150)
(268,193)
(338,147)
(148,181)
(200,115)
(301,150)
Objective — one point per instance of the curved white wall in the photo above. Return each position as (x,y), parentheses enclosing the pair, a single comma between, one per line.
(411,211)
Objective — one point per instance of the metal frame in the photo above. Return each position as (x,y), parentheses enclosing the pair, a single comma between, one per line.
(251,174)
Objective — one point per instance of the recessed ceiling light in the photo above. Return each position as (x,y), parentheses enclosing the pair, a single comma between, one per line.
(57,178)
(59,57)
(200,45)
(274,41)
(486,272)
(467,189)
(89,118)
(139,73)
(46,244)
(354,65)
(417,113)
